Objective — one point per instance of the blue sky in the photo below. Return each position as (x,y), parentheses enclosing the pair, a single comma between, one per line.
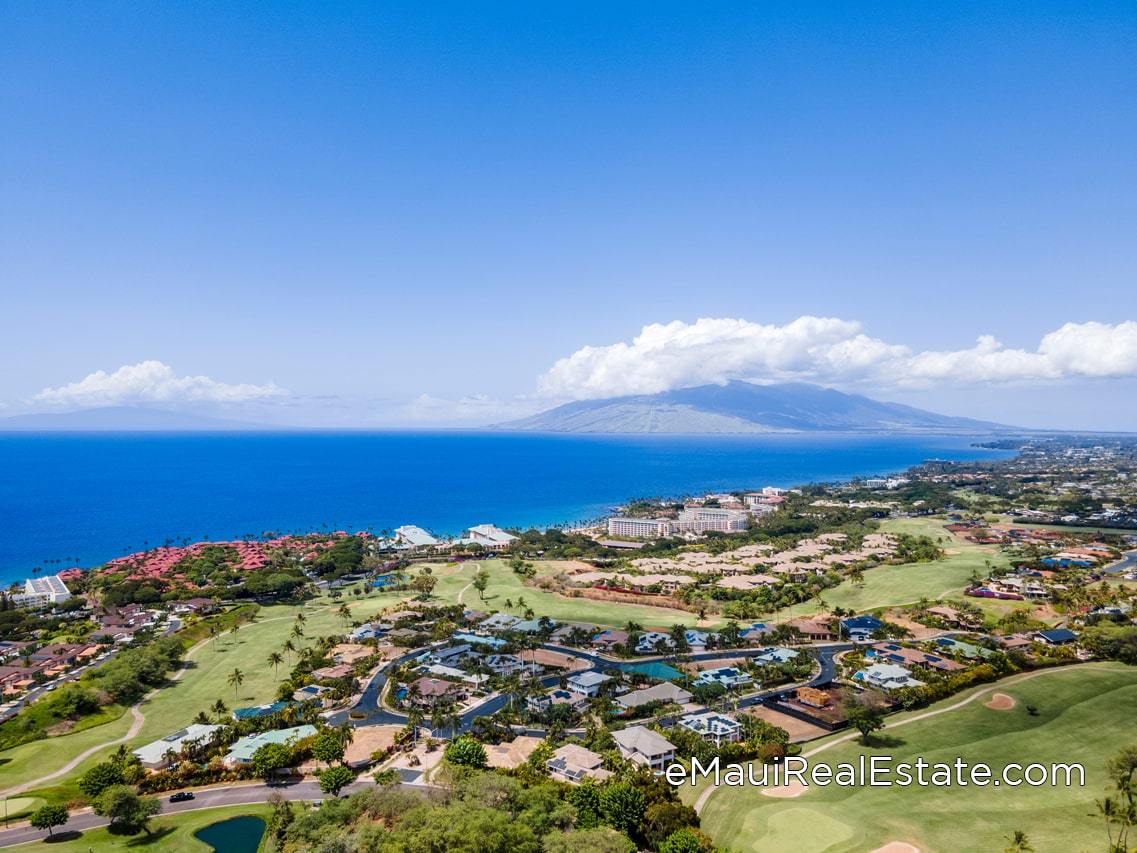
(342,210)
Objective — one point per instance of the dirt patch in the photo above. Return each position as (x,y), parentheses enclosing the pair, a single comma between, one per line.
(919,632)
(897,847)
(798,730)
(1000,702)
(790,789)
(60,728)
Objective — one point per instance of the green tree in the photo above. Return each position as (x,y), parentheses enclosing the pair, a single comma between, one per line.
(466,752)
(50,816)
(275,659)
(1017,842)
(622,806)
(236,679)
(328,746)
(600,839)
(270,758)
(684,841)
(481,581)
(335,779)
(126,807)
(865,713)
(99,778)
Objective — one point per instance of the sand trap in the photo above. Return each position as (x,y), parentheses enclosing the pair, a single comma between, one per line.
(897,847)
(1000,702)
(790,789)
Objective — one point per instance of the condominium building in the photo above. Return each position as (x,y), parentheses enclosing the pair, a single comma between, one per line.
(40,592)
(700,519)
(640,528)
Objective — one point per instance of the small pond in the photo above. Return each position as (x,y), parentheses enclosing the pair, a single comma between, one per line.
(236,835)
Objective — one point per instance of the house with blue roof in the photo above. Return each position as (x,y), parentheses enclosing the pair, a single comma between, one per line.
(859,629)
(1057,636)
(256,711)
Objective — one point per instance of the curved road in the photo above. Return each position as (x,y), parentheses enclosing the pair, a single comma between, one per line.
(376,714)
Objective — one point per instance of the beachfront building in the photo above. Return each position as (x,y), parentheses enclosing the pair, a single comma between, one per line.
(489,536)
(701,519)
(410,536)
(640,528)
(42,592)
(164,752)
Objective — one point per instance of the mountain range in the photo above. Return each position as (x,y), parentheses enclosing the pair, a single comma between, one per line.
(743,407)
(121,419)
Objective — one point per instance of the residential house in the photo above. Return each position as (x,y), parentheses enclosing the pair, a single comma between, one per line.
(243,750)
(161,753)
(428,692)
(859,629)
(715,728)
(588,683)
(665,691)
(542,702)
(1056,636)
(886,676)
(572,763)
(643,746)
(726,676)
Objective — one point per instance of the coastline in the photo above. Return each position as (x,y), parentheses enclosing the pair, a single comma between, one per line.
(99,496)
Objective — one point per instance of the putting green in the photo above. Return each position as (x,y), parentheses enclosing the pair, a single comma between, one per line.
(1079,718)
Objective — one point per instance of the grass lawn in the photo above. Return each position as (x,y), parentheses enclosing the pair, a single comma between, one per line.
(1080,719)
(907,583)
(205,681)
(505,584)
(31,760)
(16,808)
(168,834)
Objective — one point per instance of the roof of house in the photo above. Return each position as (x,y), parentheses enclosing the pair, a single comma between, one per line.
(244,749)
(591,678)
(152,753)
(643,740)
(662,692)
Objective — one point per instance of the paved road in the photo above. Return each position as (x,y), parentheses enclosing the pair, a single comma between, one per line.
(1127,563)
(207,798)
(375,714)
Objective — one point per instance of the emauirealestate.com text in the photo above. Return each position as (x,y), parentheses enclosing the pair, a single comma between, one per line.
(878,771)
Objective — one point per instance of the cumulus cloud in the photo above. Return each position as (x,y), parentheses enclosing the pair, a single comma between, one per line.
(150,382)
(828,350)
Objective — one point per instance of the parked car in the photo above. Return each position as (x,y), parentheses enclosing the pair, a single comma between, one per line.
(181,796)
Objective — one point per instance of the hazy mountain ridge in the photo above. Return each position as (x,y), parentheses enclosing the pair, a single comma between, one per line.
(741,407)
(122,419)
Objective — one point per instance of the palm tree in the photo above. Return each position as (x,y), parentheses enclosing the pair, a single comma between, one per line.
(275,660)
(1018,842)
(289,647)
(344,613)
(300,617)
(220,709)
(236,679)
(297,632)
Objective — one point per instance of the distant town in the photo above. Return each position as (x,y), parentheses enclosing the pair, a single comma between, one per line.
(573,665)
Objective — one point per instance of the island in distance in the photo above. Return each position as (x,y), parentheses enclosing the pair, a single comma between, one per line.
(743,407)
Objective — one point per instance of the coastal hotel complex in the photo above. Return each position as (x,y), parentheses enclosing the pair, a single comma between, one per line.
(730,516)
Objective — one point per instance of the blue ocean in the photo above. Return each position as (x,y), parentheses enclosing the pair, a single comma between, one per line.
(81,499)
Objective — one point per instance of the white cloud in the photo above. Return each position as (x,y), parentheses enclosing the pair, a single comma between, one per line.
(830,350)
(150,382)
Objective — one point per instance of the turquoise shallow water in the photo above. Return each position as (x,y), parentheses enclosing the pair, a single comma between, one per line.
(81,499)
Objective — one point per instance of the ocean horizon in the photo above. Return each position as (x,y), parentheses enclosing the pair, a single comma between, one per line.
(70,499)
